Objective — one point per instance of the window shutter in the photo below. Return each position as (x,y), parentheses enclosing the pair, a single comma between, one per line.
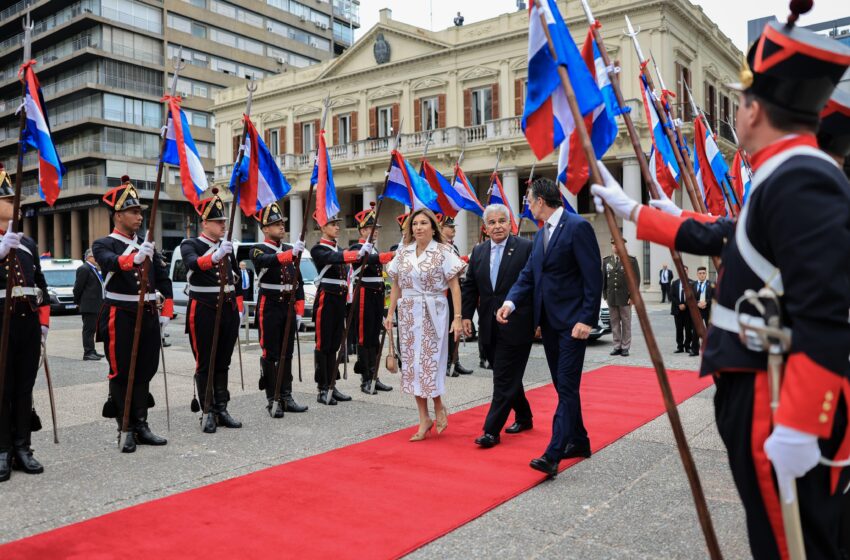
(237,140)
(297,139)
(337,133)
(353,120)
(281,141)
(396,110)
(373,122)
(494,110)
(518,86)
(441,110)
(417,114)
(267,136)
(316,124)
(467,107)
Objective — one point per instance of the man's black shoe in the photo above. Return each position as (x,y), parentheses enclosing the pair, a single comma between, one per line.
(679,350)
(225,419)
(692,354)
(615,352)
(5,465)
(572,451)
(274,411)
(340,397)
(91,356)
(518,427)
(290,405)
(24,461)
(481,363)
(99,355)
(379,386)
(487,441)
(366,387)
(209,423)
(624,353)
(544,465)
(165,343)
(129,443)
(144,435)
(323,398)
(462,370)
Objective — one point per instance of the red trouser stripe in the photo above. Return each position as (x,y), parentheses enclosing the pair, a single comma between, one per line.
(362,315)
(320,304)
(262,333)
(113,359)
(192,305)
(764,472)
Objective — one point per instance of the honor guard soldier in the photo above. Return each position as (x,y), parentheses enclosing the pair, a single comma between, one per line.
(449,231)
(28,326)
(120,256)
(276,276)
(370,305)
(789,250)
(205,258)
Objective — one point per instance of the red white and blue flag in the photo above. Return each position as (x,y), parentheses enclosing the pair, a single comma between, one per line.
(465,192)
(405,186)
(547,120)
(451,198)
(497,196)
(327,204)
(662,161)
(741,177)
(257,181)
(36,134)
(601,124)
(180,150)
(712,168)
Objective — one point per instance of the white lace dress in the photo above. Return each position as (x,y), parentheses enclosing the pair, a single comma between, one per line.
(423,315)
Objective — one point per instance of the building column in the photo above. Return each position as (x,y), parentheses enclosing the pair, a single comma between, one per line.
(462,229)
(632,188)
(42,233)
(296,216)
(510,183)
(58,236)
(76,237)
(370,195)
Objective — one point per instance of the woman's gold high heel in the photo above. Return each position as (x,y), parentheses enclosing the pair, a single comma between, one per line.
(442,421)
(420,435)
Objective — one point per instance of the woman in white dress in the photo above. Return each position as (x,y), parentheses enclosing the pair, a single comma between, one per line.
(423,268)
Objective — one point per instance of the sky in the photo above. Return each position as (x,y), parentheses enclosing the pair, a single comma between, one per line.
(731,15)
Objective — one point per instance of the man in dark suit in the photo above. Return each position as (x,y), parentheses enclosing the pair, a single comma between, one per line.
(565,270)
(88,294)
(686,339)
(493,268)
(665,276)
(704,292)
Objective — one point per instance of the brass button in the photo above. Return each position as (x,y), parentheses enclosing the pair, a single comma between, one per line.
(823,418)
(829,395)
(827,406)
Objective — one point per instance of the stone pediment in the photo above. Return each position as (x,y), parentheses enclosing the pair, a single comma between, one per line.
(428,83)
(478,72)
(383,92)
(519,64)
(302,110)
(343,102)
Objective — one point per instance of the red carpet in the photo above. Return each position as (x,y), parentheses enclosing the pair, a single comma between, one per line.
(324,506)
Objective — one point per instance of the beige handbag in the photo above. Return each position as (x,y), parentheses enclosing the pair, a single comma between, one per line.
(391,361)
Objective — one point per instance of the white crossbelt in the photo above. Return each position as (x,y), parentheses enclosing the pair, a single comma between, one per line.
(20,291)
(278,287)
(128,297)
(210,289)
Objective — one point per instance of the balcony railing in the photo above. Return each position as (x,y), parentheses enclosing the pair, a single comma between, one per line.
(14,9)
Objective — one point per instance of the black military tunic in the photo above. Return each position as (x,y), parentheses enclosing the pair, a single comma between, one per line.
(203,280)
(30,310)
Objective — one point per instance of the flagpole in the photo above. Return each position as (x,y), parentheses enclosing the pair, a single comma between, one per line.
(525,198)
(143,277)
(640,307)
(8,303)
(225,271)
(278,409)
(490,191)
(355,295)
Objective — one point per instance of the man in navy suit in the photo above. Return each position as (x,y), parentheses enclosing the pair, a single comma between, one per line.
(564,271)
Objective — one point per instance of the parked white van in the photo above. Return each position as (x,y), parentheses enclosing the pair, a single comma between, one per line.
(60,275)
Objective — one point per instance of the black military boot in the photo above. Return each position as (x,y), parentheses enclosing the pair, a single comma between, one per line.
(5,464)
(323,379)
(129,443)
(339,396)
(269,373)
(290,404)
(223,418)
(373,367)
(208,423)
(24,461)
(144,435)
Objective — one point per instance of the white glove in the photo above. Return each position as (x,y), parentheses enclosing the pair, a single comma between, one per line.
(298,320)
(163,322)
(11,240)
(365,249)
(145,252)
(793,454)
(298,248)
(44,331)
(665,204)
(224,249)
(612,194)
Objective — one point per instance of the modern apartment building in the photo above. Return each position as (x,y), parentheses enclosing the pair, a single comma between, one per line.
(105,64)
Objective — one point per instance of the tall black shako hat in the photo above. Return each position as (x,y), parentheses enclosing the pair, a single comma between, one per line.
(212,208)
(794,68)
(834,131)
(6,189)
(269,215)
(123,197)
(366,218)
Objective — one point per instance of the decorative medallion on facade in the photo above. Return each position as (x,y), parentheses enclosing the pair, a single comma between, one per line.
(381,49)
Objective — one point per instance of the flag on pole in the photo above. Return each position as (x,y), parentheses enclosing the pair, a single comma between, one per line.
(327,205)
(405,186)
(662,165)
(258,181)
(546,120)
(36,135)
(180,150)
(601,124)
(712,167)
(466,194)
(741,179)
(497,196)
(526,210)
(451,198)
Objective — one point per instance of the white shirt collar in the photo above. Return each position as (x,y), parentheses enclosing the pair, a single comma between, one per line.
(555,218)
(502,244)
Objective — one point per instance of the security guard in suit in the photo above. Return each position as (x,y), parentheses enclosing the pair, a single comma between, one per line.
(615,290)
(28,326)
(793,239)
(120,256)
(370,305)
(276,275)
(206,258)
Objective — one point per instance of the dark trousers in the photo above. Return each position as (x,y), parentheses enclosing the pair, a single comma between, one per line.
(200,322)
(21,369)
(509,361)
(845,527)
(665,291)
(329,316)
(742,411)
(565,356)
(685,337)
(89,328)
(271,322)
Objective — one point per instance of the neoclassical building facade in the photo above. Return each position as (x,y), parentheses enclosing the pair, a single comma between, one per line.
(461,91)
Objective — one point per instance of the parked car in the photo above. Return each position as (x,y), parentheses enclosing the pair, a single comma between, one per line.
(60,275)
(603,325)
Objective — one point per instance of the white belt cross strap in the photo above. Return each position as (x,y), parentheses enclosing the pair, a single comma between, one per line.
(128,297)
(131,246)
(763,268)
(334,281)
(212,248)
(210,289)
(277,287)
(20,291)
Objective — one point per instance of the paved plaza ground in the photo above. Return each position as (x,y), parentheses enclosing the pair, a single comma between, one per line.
(630,500)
